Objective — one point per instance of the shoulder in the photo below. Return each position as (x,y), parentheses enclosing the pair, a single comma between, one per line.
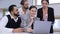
(20,9)
(4,18)
(50,8)
(8,15)
(40,9)
(19,18)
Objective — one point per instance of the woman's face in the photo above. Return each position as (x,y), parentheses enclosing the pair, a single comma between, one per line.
(33,12)
(44,4)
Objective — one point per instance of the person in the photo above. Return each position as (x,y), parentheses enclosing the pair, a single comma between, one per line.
(46,13)
(11,23)
(24,13)
(33,14)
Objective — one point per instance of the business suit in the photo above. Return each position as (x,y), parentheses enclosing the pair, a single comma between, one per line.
(50,16)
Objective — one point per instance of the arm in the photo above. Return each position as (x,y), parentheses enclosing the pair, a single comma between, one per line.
(3,23)
(52,18)
(29,28)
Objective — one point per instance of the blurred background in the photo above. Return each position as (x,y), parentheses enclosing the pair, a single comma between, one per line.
(4,4)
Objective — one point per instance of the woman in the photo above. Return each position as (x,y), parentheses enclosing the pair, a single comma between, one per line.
(46,13)
(33,12)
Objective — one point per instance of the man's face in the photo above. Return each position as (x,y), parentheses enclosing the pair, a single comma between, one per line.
(25,5)
(15,11)
(33,12)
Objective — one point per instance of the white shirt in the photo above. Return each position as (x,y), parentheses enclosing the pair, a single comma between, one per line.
(45,16)
(24,17)
(3,23)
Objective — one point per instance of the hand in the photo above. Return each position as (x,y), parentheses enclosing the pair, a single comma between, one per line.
(29,30)
(31,21)
(18,30)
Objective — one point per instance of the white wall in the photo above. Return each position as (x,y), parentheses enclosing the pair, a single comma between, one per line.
(56,9)
(7,3)
(1,14)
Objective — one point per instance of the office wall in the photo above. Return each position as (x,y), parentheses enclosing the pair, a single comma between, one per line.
(56,9)
(7,3)
(1,13)
(4,4)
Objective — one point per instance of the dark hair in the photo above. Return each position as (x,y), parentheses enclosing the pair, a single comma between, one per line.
(11,7)
(45,0)
(32,7)
(22,2)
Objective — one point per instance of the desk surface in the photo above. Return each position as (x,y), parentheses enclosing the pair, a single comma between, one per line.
(29,33)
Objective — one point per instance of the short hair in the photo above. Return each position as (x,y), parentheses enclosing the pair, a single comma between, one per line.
(32,7)
(45,0)
(11,7)
(22,2)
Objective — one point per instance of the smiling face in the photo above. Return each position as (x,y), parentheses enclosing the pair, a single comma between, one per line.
(33,12)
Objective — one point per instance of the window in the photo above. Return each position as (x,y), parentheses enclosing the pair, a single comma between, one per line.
(54,1)
(38,2)
(1,14)
(7,12)
(57,23)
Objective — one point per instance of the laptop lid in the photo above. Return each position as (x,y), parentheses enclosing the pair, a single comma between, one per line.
(42,26)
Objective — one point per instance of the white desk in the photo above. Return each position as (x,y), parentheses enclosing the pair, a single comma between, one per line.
(15,33)
(29,33)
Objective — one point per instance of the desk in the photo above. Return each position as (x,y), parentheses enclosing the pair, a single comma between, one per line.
(15,33)
(29,33)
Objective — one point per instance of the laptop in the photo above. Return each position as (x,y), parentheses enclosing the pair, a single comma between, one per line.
(42,27)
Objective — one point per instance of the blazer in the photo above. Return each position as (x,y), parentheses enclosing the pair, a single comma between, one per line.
(50,14)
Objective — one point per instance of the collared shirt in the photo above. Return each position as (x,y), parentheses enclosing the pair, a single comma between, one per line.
(3,23)
(14,18)
(24,17)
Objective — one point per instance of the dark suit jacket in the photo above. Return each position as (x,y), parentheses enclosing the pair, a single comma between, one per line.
(50,14)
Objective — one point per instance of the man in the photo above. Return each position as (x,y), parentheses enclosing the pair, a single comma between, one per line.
(11,23)
(24,13)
